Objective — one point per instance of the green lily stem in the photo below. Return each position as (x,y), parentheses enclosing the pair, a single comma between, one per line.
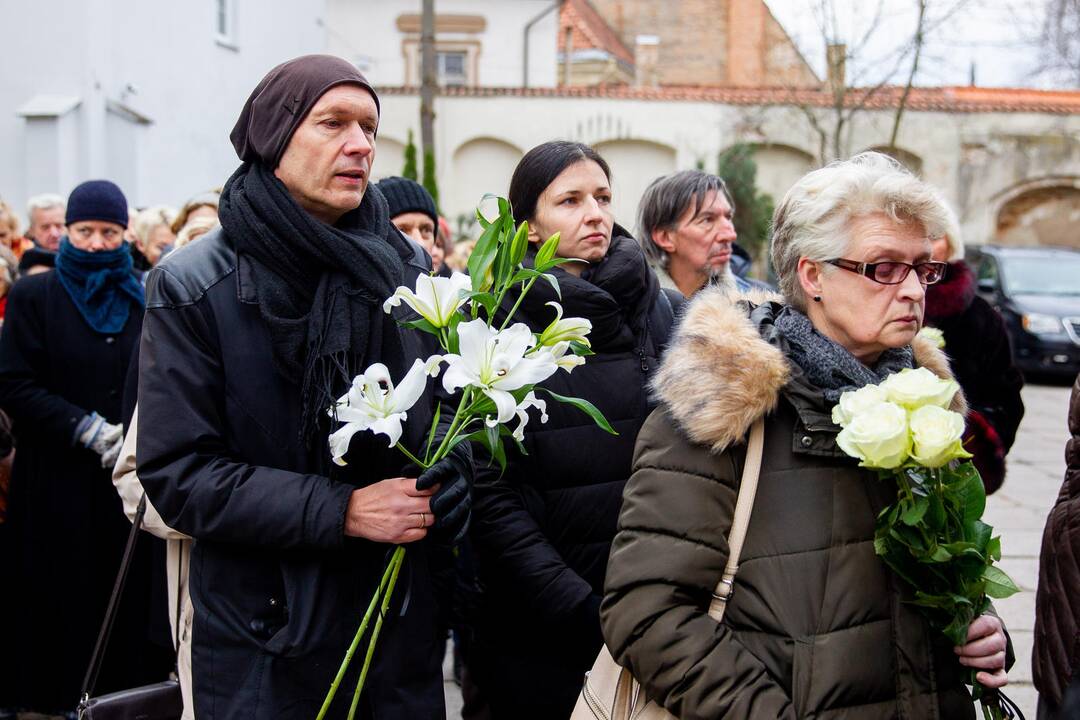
(513,310)
(441,451)
(395,564)
(412,457)
(356,639)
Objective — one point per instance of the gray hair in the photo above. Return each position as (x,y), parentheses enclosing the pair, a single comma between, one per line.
(665,201)
(47,201)
(150,218)
(812,221)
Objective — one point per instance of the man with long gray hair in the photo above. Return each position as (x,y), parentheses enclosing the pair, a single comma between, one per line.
(685,227)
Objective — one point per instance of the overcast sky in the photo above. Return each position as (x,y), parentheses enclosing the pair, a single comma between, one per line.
(998,36)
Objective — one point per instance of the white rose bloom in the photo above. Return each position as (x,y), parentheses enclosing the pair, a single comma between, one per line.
(937,435)
(877,436)
(916,388)
(934,335)
(854,402)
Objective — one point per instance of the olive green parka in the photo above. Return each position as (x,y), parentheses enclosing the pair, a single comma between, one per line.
(817,626)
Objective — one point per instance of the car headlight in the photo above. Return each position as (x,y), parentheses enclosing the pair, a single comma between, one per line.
(1038,324)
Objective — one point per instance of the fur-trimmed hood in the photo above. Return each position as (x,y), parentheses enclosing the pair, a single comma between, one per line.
(720,374)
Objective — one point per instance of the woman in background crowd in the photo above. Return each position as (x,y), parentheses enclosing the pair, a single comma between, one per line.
(817,626)
(981,358)
(153,232)
(543,528)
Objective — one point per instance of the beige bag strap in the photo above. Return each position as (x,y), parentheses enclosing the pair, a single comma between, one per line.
(744,504)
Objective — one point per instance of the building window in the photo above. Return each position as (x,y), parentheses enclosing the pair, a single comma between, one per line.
(452,68)
(225,22)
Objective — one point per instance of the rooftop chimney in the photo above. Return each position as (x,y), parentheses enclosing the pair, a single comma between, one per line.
(646,60)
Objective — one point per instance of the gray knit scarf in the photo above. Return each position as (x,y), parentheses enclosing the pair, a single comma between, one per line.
(827,364)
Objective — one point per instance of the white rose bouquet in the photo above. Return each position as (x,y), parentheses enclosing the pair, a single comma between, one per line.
(933,536)
(494,366)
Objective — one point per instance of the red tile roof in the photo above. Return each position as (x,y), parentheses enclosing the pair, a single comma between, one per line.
(935,99)
(591,32)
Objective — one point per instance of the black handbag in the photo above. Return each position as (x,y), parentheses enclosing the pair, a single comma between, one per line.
(160,701)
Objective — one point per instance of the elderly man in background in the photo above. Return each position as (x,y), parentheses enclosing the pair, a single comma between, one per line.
(46,217)
(250,335)
(685,227)
(413,212)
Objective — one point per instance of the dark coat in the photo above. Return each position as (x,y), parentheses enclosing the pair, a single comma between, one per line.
(68,525)
(278,590)
(817,626)
(981,359)
(1056,658)
(542,530)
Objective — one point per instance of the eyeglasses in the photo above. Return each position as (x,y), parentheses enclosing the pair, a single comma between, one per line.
(894,273)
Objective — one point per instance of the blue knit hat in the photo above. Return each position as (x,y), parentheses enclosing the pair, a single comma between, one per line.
(97,200)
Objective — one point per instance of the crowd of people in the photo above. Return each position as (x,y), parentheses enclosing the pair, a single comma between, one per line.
(181,362)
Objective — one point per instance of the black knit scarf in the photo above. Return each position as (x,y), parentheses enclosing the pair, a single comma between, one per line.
(615,295)
(320,287)
(827,364)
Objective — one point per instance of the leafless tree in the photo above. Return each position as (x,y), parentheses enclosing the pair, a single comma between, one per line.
(428,76)
(1060,42)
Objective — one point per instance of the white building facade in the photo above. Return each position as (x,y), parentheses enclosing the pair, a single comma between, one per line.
(143,92)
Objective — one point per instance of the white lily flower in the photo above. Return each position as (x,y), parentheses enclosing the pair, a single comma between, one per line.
(435,298)
(559,354)
(375,404)
(496,363)
(568,330)
(527,402)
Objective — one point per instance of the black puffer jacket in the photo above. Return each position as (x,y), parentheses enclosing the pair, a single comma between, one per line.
(543,530)
(981,359)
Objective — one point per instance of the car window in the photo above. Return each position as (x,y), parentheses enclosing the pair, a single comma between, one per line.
(988,269)
(1057,274)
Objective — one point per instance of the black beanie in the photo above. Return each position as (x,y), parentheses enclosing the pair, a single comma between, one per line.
(405,195)
(97,200)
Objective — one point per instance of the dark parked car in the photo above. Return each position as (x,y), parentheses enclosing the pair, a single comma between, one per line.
(1037,291)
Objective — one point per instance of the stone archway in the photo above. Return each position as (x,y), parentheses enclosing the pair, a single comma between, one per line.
(906,158)
(634,165)
(480,166)
(1041,213)
(779,167)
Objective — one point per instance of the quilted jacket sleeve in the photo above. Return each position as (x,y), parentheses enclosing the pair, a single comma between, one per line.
(667,557)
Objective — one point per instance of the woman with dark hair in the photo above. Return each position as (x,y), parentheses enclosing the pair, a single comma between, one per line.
(981,358)
(543,528)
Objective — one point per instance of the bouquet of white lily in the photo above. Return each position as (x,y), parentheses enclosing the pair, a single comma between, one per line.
(933,536)
(495,366)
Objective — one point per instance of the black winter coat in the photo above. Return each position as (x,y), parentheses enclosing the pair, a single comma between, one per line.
(68,526)
(278,590)
(981,359)
(543,530)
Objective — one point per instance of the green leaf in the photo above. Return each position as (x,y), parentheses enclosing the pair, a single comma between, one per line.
(935,514)
(956,630)
(998,584)
(486,300)
(993,549)
(553,262)
(452,333)
(553,283)
(421,324)
(881,545)
(914,514)
(586,407)
(483,255)
(941,554)
(580,349)
(978,533)
(547,250)
(968,491)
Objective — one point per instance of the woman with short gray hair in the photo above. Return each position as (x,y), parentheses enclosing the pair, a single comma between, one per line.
(817,624)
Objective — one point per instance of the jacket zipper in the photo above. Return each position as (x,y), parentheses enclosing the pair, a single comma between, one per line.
(644,362)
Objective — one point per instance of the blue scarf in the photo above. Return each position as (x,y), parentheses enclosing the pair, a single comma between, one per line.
(101,284)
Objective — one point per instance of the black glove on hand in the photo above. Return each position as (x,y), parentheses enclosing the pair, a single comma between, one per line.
(452,505)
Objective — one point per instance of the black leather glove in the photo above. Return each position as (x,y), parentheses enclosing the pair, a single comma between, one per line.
(452,505)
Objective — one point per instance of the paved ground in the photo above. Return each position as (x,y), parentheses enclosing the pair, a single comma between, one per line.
(1017,512)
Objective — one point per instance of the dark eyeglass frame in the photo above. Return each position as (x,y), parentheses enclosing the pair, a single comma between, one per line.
(870,269)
